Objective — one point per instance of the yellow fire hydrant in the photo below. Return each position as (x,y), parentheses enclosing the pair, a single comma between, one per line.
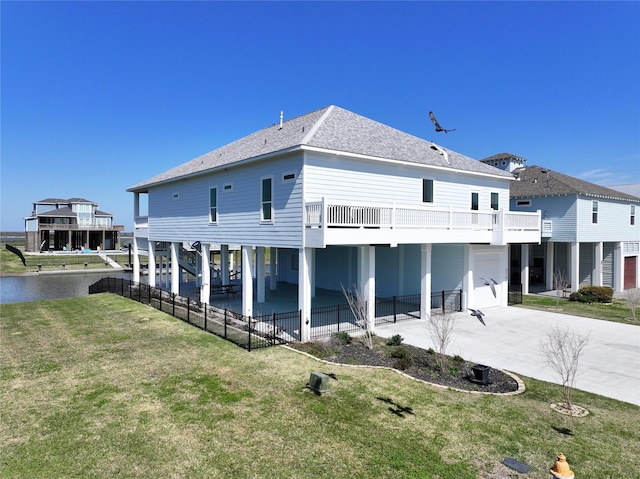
(561,469)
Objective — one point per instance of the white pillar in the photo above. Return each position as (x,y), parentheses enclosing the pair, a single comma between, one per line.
(312,268)
(205,283)
(247,282)
(597,265)
(548,267)
(273,280)
(136,261)
(401,269)
(260,273)
(524,268)
(574,275)
(152,262)
(618,267)
(175,268)
(368,282)
(425,281)
(224,263)
(304,292)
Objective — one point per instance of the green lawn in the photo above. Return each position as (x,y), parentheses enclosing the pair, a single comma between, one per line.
(103,387)
(618,311)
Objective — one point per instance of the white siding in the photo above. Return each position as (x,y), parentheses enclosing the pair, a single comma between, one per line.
(179,211)
(338,178)
(613,221)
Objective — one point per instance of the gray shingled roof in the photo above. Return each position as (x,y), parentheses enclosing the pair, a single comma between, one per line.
(64,201)
(632,189)
(66,211)
(533,183)
(503,156)
(331,128)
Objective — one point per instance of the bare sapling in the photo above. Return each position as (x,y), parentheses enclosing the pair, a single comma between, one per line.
(562,348)
(359,309)
(441,328)
(559,284)
(632,295)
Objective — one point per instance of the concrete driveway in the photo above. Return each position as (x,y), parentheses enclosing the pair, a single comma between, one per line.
(609,365)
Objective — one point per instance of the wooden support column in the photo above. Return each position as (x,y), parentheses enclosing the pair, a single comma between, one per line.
(425,281)
(247,281)
(304,292)
(574,275)
(136,260)
(260,274)
(151,251)
(224,263)
(597,265)
(175,268)
(548,267)
(205,280)
(273,271)
(524,268)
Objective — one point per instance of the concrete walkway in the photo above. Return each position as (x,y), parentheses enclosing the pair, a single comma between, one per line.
(609,365)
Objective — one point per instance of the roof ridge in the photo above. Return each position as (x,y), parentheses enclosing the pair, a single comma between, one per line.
(318,123)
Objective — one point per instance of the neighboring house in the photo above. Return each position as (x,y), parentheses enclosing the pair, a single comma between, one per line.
(73,224)
(340,200)
(590,233)
(632,189)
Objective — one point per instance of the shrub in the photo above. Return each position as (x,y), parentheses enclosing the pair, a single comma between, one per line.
(593,294)
(453,371)
(342,338)
(402,357)
(395,340)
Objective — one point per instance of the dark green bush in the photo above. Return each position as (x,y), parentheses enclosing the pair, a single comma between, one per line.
(341,337)
(395,340)
(402,357)
(593,294)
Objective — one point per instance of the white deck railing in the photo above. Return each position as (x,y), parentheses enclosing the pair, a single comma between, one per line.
(328,214)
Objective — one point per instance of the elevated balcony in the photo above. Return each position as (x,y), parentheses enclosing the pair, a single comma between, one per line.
(328,222)
(78,227)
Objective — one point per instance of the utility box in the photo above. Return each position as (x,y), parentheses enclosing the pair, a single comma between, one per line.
(318,383)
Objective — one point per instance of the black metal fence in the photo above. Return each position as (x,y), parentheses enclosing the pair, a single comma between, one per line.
(275,328)
(515,294)
(249,333)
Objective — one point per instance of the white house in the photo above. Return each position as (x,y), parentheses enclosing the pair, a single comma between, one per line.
(339,199)
(590,233)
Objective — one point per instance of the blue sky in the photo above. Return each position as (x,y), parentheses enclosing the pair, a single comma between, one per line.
(98,96)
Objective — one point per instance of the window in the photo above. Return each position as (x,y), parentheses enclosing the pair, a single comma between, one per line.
(495,201)
(475,201)
(228,187)
(288,177)
(632,217)
(267,205)
(523,203)
(213,205)
(594,212)
(427,190)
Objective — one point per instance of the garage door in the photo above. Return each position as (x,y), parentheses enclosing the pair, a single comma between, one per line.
(630,265)
(486,266)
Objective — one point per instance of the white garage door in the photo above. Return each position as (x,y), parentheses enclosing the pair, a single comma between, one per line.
(486,266)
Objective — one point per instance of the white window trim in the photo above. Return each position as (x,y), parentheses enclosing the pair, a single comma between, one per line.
(262,219)
(214,222)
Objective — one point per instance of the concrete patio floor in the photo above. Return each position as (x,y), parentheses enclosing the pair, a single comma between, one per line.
(609,365)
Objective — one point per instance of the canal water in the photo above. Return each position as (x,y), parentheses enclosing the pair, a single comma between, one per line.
(18,289)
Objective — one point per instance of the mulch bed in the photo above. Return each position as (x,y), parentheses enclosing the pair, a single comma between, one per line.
(413,361)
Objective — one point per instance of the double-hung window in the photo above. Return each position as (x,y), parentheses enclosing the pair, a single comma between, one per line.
(632,215)
(427,190)
(594,212)
(475,201)
(267,200)
(495,201)
(213,205)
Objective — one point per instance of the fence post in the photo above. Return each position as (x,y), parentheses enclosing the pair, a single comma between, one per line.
(188,310)
(338,308)
(300,323)
(205,315)
(444,308)
(139,292)
(274,329)
(149,293)
(394,309)
(173,306)
(249,323)
(160,307)
(225,323)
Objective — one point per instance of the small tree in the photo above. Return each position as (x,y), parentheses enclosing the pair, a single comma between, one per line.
(562,349)
(359,309)
(632,295)
(441,327)
(559,284)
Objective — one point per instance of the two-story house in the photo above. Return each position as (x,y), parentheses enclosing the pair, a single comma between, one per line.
(590,233)
(71,224)
(340,200)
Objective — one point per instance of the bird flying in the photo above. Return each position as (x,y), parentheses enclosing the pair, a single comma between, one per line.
(437,125)
(490,282)
(478,314)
